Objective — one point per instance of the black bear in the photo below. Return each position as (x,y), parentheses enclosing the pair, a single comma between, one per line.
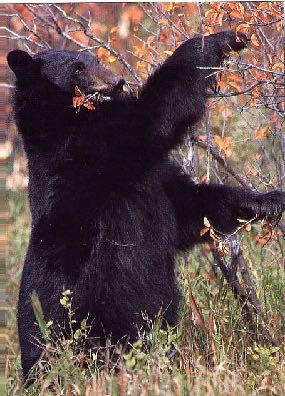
(109,208)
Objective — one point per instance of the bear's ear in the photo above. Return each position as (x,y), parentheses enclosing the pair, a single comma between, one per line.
(21,63)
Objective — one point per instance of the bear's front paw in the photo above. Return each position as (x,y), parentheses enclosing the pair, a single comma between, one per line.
(264,206)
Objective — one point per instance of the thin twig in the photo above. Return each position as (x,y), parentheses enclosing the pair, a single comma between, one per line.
(214,152)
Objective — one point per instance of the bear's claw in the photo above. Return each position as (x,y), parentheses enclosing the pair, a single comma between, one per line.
(270,205)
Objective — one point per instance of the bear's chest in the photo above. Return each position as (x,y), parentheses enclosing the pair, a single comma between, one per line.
(140,223)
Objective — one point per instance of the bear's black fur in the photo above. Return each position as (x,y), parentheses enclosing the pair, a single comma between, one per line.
(109,208)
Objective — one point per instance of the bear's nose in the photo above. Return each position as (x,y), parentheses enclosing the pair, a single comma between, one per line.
(118,84)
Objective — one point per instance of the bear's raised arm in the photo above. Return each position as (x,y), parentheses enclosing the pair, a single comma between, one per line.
(172,99)
(174,96)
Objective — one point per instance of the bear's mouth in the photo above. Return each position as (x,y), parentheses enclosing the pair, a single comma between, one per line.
(91,99)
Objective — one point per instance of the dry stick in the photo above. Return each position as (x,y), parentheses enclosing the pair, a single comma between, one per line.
(230,274)
(171,24)
(55,26)
(252,297)
(228,168)
(248,298)
(250,290)
(27,27)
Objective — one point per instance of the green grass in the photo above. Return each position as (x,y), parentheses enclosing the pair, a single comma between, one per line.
(2,386)
(220,357)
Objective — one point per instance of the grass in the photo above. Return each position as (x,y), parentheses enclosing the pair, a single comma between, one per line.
(210,352)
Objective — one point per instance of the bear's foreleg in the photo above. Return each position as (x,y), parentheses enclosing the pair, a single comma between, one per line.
(223,206)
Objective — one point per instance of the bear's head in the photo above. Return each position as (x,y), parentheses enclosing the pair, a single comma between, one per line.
(66,71)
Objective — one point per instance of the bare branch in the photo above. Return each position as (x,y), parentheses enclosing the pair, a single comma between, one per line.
(221,160)
(16,36)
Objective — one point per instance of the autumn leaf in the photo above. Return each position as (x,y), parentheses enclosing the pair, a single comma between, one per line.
(242,26)
(261,133)
(133,13)
(114,29)
(80,36)
(77,101)
(240,8)
(169,7)
(224,144)
(204,231)
(247,227)
(278,65)
(268,233)
(222,84)
(254,40)
(206,228)
(252,171)
(235,14)
(234,85)
(263,6)
(80,99)
(273,117)
(209,276)
(163,21)
(261,240)
(192,7)
(89,105)
(111,59)
(258,74)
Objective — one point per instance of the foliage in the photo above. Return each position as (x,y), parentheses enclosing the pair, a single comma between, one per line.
(240,140)
(209,352)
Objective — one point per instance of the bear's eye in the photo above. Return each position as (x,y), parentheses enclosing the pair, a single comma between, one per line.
(78,68)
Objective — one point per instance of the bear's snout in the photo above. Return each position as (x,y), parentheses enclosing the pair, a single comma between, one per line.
(119,82)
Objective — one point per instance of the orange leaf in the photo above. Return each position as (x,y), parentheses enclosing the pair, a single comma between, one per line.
(102,52)
(80,36)
(111,59)
(192,8)
(253,171)
(241,8)
(242,26)
(261,133)
(224,144)
(77,101)
(223,84)
(220,19)
(273,117)
(263,6)
(114,29)
(209,276)
(254,40)
(247,227)
(261,240)
(163,21)
(89,105)
(169,7)
(278,65)
(235,14)
(204,230)
(234,85)
(133,13)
